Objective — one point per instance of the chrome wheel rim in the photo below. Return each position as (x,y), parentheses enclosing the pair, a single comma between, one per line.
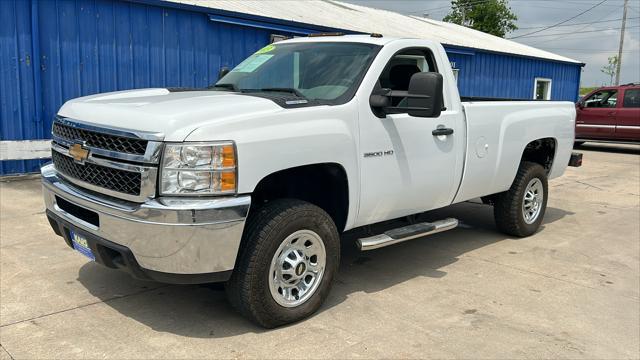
(532,201)
(297,268)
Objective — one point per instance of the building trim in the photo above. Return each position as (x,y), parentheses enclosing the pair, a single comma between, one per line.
(260,24)
(232,14)
(454,49)
(25,149)
(459,50)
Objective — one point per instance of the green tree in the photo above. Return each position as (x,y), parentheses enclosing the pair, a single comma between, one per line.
(610,68)
(490,16)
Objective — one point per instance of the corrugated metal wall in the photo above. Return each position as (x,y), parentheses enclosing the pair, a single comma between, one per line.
(18,110)
(87,47)
(496,75)
(55,50)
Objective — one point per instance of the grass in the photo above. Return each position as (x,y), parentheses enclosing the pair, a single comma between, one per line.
(585,90)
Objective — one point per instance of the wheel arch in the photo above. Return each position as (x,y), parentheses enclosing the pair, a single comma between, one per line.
(541,151)
(325,185)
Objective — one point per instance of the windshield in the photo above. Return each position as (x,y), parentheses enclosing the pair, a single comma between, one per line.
(329,72)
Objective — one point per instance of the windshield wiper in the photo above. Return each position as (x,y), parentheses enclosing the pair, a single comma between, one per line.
(293,91)
(231,87)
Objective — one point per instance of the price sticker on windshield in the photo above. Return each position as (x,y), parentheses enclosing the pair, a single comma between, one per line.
(266,49)
(252,63)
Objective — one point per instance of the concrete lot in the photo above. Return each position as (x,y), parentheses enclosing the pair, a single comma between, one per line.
(570,291)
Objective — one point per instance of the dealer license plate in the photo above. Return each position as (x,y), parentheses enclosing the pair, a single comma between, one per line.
(81,245)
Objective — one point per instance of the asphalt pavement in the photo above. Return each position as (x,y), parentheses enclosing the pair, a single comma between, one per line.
(570,291)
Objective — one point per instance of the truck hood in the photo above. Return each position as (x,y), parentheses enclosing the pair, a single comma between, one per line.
(173,113)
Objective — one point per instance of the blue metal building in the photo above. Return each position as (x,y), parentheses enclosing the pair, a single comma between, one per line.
(52,51)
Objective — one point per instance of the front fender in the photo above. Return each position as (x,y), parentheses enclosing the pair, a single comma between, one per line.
(291,138)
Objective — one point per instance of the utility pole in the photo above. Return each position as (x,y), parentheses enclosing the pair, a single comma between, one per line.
(464,17)
(624,23)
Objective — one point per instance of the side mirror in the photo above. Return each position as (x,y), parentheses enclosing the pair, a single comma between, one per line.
(424,98)
(580,105)
(223,71)
(380,100)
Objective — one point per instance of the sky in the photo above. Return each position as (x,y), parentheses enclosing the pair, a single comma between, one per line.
(590,38)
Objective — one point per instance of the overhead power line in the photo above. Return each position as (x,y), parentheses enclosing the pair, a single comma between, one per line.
(572,33)
(581,2)
(561,37)
(586,50)
(561,22)
(574,24)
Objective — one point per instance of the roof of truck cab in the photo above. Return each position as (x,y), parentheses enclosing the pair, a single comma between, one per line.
(366,39)
(362,19)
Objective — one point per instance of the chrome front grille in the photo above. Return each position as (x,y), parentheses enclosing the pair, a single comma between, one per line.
(114,162)
(122,181)
(100,140)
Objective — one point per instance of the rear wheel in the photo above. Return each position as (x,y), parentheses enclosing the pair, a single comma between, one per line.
(291,252)
(520,210)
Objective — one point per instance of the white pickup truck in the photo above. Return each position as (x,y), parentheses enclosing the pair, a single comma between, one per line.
(252,180)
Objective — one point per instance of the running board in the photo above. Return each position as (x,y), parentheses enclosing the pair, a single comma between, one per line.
(405,233)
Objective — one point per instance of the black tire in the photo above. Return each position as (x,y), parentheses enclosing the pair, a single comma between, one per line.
(508,211)
(248,289)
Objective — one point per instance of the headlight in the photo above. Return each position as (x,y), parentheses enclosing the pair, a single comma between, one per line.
(198,169)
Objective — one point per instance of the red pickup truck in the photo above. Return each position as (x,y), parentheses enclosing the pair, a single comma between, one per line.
(609,113)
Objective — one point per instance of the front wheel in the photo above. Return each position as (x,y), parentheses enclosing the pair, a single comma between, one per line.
(290,254)
(520,210)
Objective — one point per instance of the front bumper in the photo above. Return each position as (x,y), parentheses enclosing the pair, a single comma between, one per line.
(165,239)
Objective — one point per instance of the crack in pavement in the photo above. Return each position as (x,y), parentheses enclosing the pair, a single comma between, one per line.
(7,351)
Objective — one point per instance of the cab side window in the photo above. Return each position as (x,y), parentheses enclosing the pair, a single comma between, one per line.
(631,98)
(602,99)
(397,74)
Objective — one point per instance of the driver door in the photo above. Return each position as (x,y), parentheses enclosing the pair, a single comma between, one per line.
(596,119)
(405,169)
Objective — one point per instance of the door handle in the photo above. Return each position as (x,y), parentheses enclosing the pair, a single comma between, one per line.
(442,131)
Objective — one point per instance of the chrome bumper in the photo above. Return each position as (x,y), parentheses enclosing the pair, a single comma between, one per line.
(167,235)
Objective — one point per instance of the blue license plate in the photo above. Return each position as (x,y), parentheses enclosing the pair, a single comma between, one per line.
(81,245)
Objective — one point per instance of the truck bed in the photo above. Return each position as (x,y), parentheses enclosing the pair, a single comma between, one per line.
(497,133)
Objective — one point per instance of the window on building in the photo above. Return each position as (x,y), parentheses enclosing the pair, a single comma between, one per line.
(542,89)
(602,99)
(631,98)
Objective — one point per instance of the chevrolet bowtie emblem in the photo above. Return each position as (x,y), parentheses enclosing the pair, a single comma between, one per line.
(79,153)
